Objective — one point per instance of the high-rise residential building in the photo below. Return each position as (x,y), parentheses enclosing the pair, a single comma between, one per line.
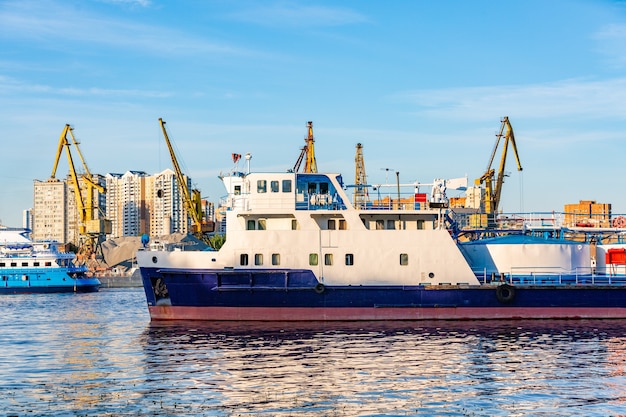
(56,214)
(127,203)
(50,220)
(167,209)
(135,203)
(138,204)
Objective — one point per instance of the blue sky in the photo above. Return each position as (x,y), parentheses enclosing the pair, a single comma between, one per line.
(422,85)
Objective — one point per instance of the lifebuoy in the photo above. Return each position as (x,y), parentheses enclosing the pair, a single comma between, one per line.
(620,222)
(505,293)
(319,288)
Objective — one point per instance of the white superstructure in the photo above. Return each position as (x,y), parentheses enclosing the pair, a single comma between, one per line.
(289,220)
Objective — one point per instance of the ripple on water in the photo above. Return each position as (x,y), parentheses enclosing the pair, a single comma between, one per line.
(98,354)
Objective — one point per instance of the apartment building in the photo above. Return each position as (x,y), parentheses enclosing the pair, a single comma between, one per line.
(168,213)
(127,204)
(50,211)
(136,203)
(55,213)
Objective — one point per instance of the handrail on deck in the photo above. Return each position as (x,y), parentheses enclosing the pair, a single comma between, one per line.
(552,276)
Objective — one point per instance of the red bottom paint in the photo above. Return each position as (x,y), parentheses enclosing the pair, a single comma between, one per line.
(162,312)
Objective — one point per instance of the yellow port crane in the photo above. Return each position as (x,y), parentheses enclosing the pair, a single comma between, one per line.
(92,228)
(494,192)
(308,152)
(191,199)
(361,196)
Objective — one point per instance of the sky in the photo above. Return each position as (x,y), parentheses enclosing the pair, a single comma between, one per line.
(422,85)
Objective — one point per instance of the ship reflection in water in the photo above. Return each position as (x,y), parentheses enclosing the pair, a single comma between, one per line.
(397,369)
(98,354)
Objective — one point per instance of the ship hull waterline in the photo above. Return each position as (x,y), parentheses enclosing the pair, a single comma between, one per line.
(207,297)
(86,288)
(303,314)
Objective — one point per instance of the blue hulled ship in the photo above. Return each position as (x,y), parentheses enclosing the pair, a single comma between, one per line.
(298,249)
(39,267)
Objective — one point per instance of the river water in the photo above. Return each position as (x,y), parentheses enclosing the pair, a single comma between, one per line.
(99,355)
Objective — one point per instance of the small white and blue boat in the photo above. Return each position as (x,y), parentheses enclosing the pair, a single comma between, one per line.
(39,267)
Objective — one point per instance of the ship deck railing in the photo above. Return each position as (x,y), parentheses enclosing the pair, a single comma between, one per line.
(34,270)
(553,276)
(601,227)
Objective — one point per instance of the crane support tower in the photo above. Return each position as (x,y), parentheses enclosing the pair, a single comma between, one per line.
(494,192)
(191,199)
(92,225)
(307,153)
(361,196)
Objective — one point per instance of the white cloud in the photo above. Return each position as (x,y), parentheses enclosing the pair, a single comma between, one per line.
(57,23)
(612,43)
(141,3)
(580,98)
(11,86)
(291,14)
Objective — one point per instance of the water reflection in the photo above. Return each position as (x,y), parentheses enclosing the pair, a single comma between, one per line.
(65,354)
(98,354)
(501,368)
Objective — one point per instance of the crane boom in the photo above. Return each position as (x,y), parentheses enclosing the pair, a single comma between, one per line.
(509,138)
(92,230)
(307,153)
(192,200)
(493,193)
(296,166)
(64,144)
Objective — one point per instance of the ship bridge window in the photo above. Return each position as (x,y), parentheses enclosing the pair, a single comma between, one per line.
(261,224)
(286,186)
(331,224)
(420,225)
(237,189)
(316,191)
(243,259)
(380,224)
(391,224)
(251,225)
(274,186)
(349,259)
(294,224)
(342,224)
(261,186)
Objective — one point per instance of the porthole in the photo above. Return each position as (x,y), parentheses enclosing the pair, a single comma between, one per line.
(431,275)
(154,259)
